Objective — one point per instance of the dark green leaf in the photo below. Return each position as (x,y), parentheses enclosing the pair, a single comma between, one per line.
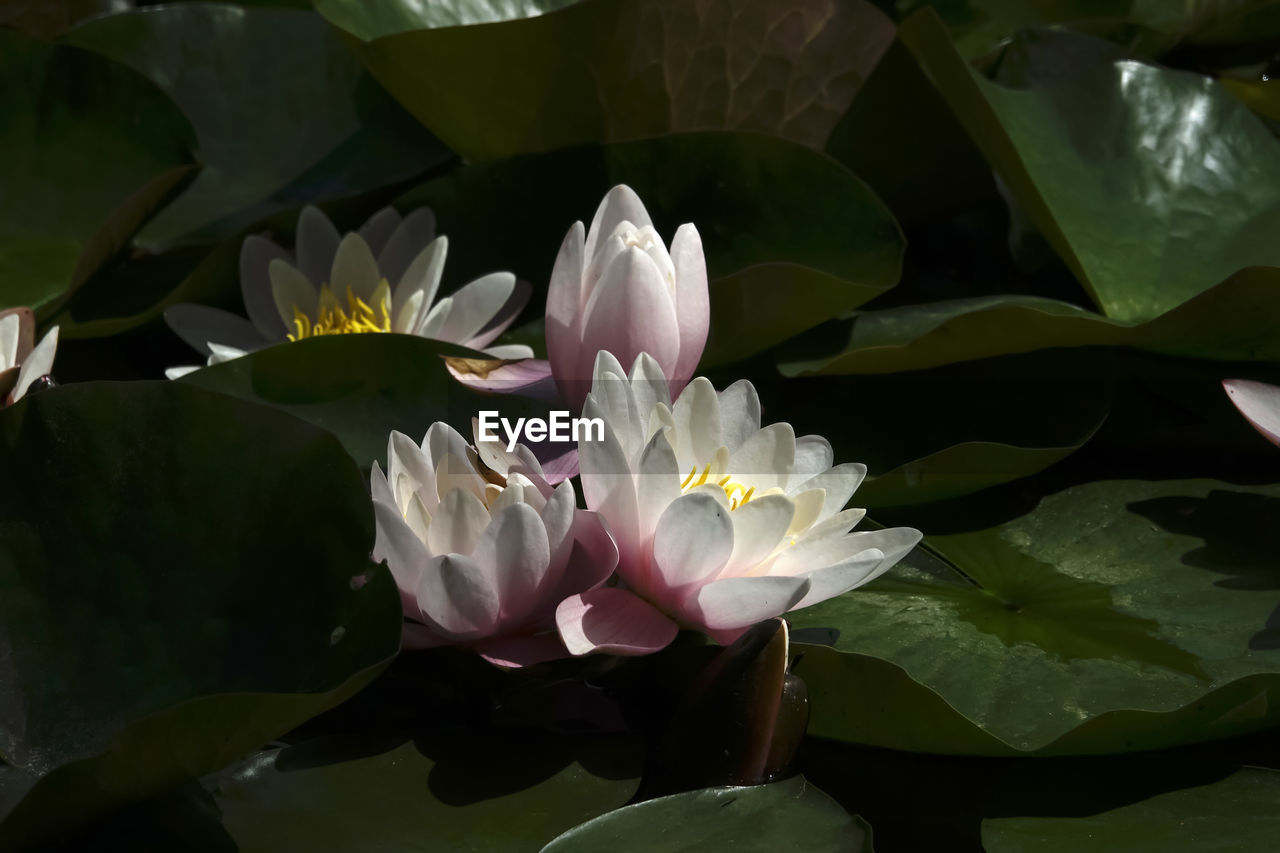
(461,792)
(1152,185)
(610,70)
(91,149)
(178,571)
(791,237)
(1117,615)
(1237,813)
(1238,319)
(358,387)
(790,815)
(272,93)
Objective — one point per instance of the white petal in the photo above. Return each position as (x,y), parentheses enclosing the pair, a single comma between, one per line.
(764,459)
(739,602)
(458,524)
(836,580)
(455,472)
(256,256)
(415,232)
(291,289)
(407,315)
(458,598)
(839,483)
(758,527)
(620,204)
(474,305)
(316,244)
(515,548)
(9,330)
(692,543)
(739,414)
(434,319)
(199,324)
(697,422)
(813,456)
(648,385)
(354,270)
(657,482)
(378,228)
(179,372)
(38,362)
(420,281)
(404,552)
(404,457)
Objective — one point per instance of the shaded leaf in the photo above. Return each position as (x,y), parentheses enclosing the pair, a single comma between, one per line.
(610,70)
(278,112)
(169,601)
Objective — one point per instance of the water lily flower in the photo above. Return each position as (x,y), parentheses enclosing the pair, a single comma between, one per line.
(614,287)
(619,289)
(482,548)
(381,278)
(1259,403)
(719,523)
(21,364)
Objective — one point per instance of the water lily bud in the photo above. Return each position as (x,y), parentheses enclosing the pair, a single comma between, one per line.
(618,288)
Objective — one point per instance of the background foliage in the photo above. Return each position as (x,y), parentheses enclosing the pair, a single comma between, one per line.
(1002,252)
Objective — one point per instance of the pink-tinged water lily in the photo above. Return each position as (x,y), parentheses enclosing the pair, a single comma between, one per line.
(21,363)
(720,523)
(617,288)
(381,278)
(1259,403)
(482,548)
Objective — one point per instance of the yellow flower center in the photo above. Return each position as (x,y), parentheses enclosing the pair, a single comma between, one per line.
(738,494)
(357,318)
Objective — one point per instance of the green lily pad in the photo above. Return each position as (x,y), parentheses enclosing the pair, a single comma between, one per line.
(476,793)
(791,237)
(92,149)
(790,815)
(1235,813)
(1116,616)
(265,116)
(610,70)
(169,602)
(1237,320)
(1153,185)
(358,387)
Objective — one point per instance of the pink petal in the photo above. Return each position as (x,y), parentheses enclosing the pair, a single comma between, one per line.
(559,461)
(593,558)
(528,377)
(631,311)
(516,652)
(1259,403)
(739,602)
(615,621)
(693,303)
(564,319)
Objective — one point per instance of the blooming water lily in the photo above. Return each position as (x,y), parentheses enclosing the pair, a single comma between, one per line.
(482,548)
(382,278)
(21,364)
(719,523)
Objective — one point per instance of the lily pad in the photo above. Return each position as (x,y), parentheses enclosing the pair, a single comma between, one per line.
(1234,813)
(92,149)
(1237,320)
(169,603)
(358,387)
(1116,616)
(264,116)
(790,815)
(792,238)
(1153,185)
(610,70)
(494,794)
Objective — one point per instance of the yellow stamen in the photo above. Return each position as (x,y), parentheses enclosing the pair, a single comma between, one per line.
(737,493)
(358,318)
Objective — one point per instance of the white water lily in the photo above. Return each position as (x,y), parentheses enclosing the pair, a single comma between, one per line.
(381,278)
(720,523)
(482,548)
(21,364)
